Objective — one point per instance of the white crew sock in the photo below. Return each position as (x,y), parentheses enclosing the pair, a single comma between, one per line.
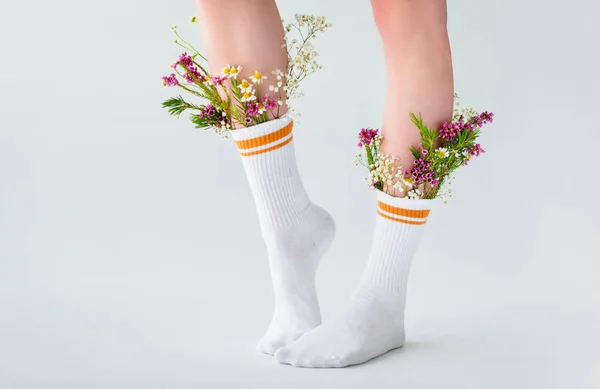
(296,232)
(374,322)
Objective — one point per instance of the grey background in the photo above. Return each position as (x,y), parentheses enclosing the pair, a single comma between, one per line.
(130,255)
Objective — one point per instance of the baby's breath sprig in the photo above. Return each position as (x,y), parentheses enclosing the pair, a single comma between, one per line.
(231,100)
(302,55)
(440,152)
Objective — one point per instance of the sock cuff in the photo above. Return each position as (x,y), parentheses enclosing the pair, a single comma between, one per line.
(266,128)
(263,137)
(404,210)
(406,203)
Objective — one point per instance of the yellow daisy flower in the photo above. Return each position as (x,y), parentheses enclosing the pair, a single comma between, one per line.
(245,86)
(442,152)
(248,96)
(261,108)
(234,71)
(258,77)
(408,182)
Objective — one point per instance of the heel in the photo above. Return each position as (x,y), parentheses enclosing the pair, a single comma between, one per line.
(325,230)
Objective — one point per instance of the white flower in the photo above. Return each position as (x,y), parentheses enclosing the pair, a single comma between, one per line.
(414,194)
(234,71)
(248,96)
(245,86)
(407,182)
(261,108)
(442,152)
(278,74)
(258,77)
(227,71)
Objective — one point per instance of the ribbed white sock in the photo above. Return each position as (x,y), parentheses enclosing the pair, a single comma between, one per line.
(296,232)
(374,322)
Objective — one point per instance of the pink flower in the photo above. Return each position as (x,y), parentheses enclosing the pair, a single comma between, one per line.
(366,135)
(422,172)
(476,150)
(170,80)
(185,60)
(218,80)
(252,108)
(193,75)
(450,130)
(269,103)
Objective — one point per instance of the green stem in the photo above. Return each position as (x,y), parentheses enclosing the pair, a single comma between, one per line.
(190,47)
(192,91)
(369,156)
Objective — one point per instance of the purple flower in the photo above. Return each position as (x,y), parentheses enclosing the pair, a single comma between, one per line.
(487,117)
(218,80)
(210,110)
(252,108)
(248,120)
(185,60)
(170,80)
(476,150)
(422,172)
(269,103)
(481,119)
(193,75)
(366,135)
(450,130)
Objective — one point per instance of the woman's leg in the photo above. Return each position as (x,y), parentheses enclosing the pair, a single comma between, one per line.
(249,33)
(419,72)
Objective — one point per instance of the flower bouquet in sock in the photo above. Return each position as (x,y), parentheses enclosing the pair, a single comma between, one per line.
(226,100)
(440,152)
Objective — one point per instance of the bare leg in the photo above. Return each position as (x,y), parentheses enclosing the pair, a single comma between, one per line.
(419,70)
(248,33)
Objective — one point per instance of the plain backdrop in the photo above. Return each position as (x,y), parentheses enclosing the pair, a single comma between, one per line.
(130,254)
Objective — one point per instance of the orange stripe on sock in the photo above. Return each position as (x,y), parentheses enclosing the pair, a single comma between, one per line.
(404,212)
(401,220)
(265,139)
(268,149)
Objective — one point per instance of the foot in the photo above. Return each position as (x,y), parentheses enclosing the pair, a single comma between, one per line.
(294,255)
(372,326)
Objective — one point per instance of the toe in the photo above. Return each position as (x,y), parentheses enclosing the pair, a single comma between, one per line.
(296,354)
(270,343)
(266,348)
(285,356)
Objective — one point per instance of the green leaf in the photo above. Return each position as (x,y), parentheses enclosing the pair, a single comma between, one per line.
(175,105)
(415,152)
